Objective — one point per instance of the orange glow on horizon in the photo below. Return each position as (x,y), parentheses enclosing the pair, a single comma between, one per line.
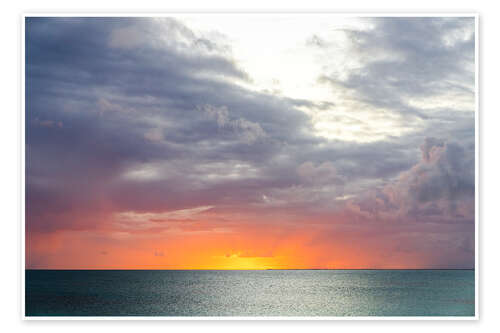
(244,249)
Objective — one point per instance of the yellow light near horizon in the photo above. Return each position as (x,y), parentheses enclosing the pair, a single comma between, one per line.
(242,263)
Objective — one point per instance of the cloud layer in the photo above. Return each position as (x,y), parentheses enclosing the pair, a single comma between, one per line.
(145,141)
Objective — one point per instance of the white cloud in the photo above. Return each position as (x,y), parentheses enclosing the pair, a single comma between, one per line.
(145,220)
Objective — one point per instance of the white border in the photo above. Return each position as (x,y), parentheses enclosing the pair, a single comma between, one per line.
(22,172)
(328,12)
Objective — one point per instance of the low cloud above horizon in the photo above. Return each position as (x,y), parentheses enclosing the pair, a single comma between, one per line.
(250,142)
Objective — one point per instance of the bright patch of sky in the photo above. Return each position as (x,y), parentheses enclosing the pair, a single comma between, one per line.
(283,55)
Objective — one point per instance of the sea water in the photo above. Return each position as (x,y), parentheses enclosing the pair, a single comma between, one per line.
(250,293)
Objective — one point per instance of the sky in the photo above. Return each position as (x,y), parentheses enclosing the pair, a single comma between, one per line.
(252,141)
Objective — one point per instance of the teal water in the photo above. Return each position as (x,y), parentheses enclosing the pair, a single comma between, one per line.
(250,293)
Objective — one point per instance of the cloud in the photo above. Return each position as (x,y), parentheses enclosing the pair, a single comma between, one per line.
(247,131)
(439,189)
(410,58)
(47,123)
(105,105)
(154,134)
(323,173)
(401,74)
(430,148)
(143,125)
(182,214)
(445,173)
(127,37)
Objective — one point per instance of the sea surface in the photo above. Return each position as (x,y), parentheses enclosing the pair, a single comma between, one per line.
(250,293)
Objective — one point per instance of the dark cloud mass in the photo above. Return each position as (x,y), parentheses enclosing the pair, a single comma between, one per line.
(145,115)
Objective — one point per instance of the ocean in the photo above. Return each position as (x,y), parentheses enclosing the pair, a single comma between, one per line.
(249,293)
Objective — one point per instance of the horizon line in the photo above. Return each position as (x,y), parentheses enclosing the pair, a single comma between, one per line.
(249,269)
